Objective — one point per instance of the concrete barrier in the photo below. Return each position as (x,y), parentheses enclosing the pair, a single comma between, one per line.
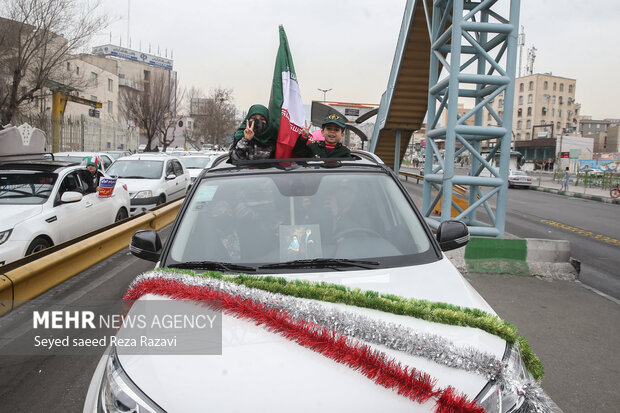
(37,276)
(528,257)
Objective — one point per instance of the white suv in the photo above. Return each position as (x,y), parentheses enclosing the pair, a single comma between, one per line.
(347,303)
(152,179)
(44,203)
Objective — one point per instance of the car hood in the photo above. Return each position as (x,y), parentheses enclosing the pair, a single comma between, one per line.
(262,371)
(137,185)
(11,215)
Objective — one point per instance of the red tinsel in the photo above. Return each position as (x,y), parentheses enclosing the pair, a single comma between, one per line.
(373,364)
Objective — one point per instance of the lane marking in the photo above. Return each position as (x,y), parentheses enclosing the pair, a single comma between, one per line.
(583,232)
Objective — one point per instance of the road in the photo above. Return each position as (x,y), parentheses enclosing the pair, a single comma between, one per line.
(590,226)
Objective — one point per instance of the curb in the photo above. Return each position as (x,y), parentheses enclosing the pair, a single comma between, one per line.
(598,198)
(531,257)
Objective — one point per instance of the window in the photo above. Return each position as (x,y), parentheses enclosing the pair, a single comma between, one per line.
(501,103)
(598,126)
(560,113)
(68,66)
(77,70)
(110,107)
(560,100)
(93,79)
(546,85)
(570,88)
(553,100)
(529,111)
(545,99)
(552,112)
(528,124)
(518,136)
(527,136)
(561,87)
(147,75)
(569,101)
(531,86)
(555,86)
(521,87)
(519,112)
(519,125)
(178,169)
(558,125)
(544,111)
(530,98)
(110,85)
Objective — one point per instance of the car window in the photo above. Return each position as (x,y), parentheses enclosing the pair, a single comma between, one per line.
(72,182)
(178,169)
(195,162)
(272,218)
(136,169)
(169,168)
(106,162)
(26,188)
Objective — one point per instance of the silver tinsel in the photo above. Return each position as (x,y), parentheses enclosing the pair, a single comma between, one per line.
(379,332)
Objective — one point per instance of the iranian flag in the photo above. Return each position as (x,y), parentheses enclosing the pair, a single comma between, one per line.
(285,105)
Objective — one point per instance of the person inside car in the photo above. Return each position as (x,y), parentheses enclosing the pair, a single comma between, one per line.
(332,130)
(255,138)
(93,176)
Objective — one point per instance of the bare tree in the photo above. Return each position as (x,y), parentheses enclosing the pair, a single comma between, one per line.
(151,106)
(37,37)
(215,117)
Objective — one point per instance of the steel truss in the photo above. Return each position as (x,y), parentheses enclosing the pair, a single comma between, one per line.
(473,57)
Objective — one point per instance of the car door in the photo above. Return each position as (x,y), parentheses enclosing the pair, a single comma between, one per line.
(67,221)
(170,185)
(182,177)
(101,211)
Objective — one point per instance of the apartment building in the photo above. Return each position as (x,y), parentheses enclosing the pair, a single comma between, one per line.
(604,132)
(544,107)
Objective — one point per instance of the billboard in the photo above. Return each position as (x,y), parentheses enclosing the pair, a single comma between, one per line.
(133,55)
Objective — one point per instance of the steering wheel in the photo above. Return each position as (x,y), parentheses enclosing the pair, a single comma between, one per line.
(346,233)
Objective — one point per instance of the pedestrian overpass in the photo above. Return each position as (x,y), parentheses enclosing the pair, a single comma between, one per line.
(451,52)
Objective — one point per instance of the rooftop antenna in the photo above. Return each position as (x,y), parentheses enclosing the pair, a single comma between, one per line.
(521,43)
(531,56)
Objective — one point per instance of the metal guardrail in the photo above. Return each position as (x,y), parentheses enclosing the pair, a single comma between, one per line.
(37,276)
(461,190)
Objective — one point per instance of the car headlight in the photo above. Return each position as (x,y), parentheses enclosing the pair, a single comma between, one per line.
(4,236)
(119,394)
(143,194)
(506,397)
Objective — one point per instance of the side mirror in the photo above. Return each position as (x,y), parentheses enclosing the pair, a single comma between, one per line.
(452,235)
(170,177)
(70,197)
(146,244)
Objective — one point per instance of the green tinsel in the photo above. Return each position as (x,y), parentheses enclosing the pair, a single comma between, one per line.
(436,312)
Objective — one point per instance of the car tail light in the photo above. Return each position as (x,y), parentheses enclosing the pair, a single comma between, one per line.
(125,186)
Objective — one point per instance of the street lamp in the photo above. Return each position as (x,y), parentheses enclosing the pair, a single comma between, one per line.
(324,93)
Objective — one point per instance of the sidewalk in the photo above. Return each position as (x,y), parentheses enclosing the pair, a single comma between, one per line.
(544,182)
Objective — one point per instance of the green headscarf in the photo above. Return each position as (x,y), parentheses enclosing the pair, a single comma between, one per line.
(266,136)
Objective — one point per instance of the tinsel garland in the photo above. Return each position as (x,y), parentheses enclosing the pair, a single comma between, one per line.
(373,364)
(393,336)
(430,311)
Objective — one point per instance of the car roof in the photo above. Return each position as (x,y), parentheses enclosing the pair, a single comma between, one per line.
(79,153)
(147,156)
(359,159)
(42,165)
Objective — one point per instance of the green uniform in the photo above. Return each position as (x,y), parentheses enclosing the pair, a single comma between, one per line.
(317,149)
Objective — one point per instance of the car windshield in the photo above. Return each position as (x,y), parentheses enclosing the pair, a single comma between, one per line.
(26,188)
(136,169)
(285,217)
(195,162)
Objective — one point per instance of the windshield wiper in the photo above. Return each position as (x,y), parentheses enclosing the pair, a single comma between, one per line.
(212,265)
(322,262)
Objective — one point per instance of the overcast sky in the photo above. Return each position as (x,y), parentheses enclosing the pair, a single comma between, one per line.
(348,46)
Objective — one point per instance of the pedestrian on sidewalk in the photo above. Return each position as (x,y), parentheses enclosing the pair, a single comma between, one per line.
(566,180)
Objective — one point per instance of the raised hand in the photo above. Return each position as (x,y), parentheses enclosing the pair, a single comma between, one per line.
(305,131)
(248,132)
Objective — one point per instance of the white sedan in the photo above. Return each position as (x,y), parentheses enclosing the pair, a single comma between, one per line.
(152,179)
(44,203)
(518,178)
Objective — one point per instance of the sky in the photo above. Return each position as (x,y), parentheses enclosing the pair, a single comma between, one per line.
(348,46)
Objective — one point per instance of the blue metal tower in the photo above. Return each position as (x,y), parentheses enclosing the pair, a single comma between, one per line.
(472,61)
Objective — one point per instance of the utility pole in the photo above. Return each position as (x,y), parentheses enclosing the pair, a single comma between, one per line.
(521,43)
(324,93)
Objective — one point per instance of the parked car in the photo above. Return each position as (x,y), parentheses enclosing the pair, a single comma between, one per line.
(105,159)
(348,223)
(196,163)
(117,154)
(152,179)
(518,178)
(45,202)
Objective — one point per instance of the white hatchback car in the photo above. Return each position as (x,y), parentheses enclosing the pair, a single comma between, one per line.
(152,179)
(347,303)
(44,203)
